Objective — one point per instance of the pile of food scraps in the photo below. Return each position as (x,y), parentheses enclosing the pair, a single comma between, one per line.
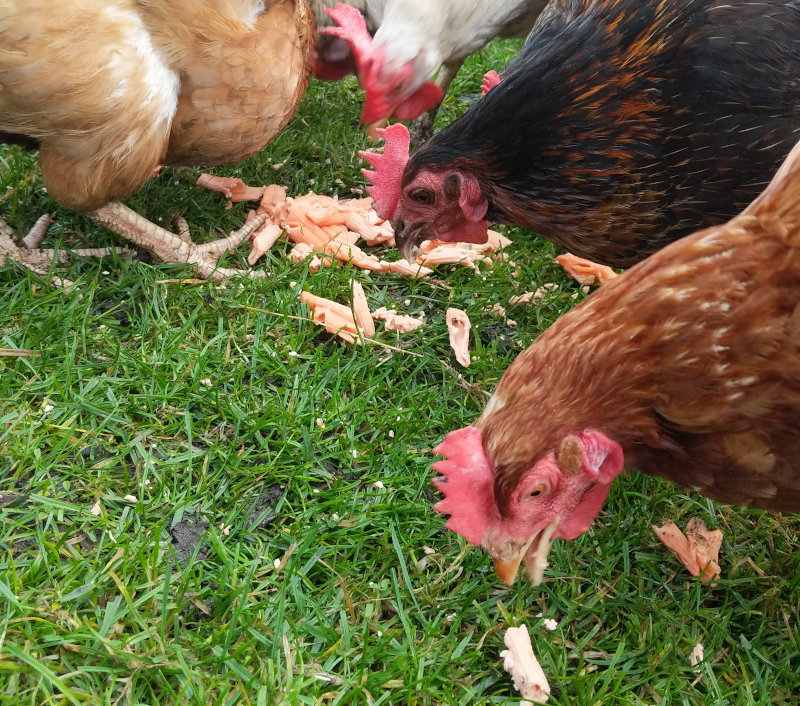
(327,230)
(323,226)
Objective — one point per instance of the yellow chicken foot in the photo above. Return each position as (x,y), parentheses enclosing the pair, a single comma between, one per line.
(29,255)
(176,248)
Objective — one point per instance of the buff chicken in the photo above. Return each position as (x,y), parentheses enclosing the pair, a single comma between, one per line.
(108,90)
(622,126)
(687,366)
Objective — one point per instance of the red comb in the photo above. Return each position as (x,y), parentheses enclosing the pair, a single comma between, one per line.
(490,80)
(353,29)
(468,484)
(388,169)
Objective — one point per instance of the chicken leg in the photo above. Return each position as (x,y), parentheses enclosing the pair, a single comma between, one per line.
(118,218)
(175,248)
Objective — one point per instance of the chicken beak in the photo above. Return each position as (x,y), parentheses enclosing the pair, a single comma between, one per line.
(507,570)
(408,236)
(533,553)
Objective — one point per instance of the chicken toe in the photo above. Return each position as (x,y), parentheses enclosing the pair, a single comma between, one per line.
(175,248)
(41,261)
(25,253)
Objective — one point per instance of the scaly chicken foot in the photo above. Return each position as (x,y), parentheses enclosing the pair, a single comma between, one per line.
(176,248)
(40,261)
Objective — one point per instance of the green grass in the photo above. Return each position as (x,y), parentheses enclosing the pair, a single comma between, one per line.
(177,599)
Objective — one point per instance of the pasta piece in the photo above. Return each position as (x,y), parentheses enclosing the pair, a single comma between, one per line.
(361,310)
(458,326)
(585,271)
(397,322)
(697,550)
(520,662)
(263,239)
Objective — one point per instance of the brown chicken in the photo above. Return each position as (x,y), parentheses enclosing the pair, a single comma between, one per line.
(687,366)
(111,89)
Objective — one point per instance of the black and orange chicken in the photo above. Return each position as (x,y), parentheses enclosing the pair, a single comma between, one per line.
(622,125)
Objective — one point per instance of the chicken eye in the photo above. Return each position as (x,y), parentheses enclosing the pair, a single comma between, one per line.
(423,196)
(538,489)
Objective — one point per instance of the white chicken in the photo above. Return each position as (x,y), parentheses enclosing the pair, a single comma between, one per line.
(417,38)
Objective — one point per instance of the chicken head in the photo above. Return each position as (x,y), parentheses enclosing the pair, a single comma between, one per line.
(558,497)
(446,204)
(397,89)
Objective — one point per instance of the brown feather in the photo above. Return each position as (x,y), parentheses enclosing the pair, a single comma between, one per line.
(240,84)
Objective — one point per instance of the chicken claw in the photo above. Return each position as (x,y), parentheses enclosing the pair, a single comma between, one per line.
(172,248)
(29,255)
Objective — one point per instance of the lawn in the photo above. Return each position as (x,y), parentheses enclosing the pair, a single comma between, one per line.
(282,547)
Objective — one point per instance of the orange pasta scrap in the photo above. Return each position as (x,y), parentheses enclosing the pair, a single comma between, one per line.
(585,271)
(397,322)
(347,253)
(301,251)
(440,252)
(458,327)
(233,188)
(361,311)
(497,241)
(346,236)
(697,550)
(383,229)
(453,254)
(336,318)
(697,654)
(301,229)
(520,662)
(523,298)
(273,204)
(263,239)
